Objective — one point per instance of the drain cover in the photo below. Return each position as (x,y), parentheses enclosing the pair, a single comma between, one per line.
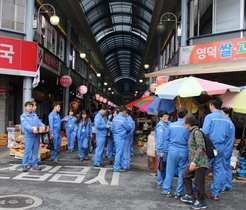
(19,202)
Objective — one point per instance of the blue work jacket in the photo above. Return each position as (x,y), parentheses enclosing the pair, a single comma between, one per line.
(230,141)
(120,127)
(176,137)
(100,125)
(70,123)
(160,130)
(54,122)
(83,131)
(217,126)
(131,123)
(27,121)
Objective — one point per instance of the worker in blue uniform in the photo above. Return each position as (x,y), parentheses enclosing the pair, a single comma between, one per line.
(161,147)
(55,128)
(31,137)
(70,122)
(177,138)
(110,138)
(217,127)
(226,182)
(101,135)
(129,137)
(83,131)
(120,127)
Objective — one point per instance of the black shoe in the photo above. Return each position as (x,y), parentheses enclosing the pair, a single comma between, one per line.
(102,165)
(24,169)
(81,159)
(110,162)
(123,170)
(86,157)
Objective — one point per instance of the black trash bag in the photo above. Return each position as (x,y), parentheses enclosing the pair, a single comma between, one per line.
(162,164)
(50,145)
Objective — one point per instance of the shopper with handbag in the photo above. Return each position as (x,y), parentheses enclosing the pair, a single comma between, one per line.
(198,163)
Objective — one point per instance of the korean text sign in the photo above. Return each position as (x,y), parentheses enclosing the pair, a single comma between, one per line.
(18,57)
(228,50)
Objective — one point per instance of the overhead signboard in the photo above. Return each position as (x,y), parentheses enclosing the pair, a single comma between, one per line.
(18,57)
(228,50)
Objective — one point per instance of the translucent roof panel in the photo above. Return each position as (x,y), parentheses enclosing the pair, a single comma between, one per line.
(121,29)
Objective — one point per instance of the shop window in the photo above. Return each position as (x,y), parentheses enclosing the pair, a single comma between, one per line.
(13,15)
(61,48)
(43,30)
(53,41)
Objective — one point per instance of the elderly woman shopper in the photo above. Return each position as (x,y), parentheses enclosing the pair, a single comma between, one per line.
(198,163)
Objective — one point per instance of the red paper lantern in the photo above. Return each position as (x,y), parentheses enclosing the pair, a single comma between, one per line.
(74,105)
(105,100)
(97,96)
(153,87)
(161,80)
(101,99)
(65,81)
(83,89)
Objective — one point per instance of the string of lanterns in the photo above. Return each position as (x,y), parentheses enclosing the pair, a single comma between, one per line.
(104,100)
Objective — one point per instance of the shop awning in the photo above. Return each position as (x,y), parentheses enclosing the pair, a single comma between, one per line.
(205,68)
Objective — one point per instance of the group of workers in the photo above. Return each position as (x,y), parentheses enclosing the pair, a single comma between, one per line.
(181,144)
(115,131)
(119,128)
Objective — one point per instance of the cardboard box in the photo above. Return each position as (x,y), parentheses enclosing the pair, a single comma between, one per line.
(3,136)
(3,142)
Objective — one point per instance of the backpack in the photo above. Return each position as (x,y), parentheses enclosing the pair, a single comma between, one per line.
(210,149)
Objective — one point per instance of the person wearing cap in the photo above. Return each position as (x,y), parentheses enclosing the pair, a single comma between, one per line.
(29,121)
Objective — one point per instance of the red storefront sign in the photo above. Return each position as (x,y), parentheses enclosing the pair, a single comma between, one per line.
(48,60)
(2,90)
(18,57)
(74,105)
(66,81)
(227,50)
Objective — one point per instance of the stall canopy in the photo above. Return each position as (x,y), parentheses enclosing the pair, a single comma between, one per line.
(205,68)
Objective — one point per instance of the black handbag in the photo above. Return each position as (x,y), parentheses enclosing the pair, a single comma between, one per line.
(162,164)
(45,138)
(50,146)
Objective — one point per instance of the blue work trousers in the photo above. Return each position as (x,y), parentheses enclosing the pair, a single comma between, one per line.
(217,164)
(31,151)
(161,174)
(83,147)
(119,145)
(110,147)
(179,160)
(226,180)
(57,144)
(70,139)
(131,147)
(126,154)
(100,144)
